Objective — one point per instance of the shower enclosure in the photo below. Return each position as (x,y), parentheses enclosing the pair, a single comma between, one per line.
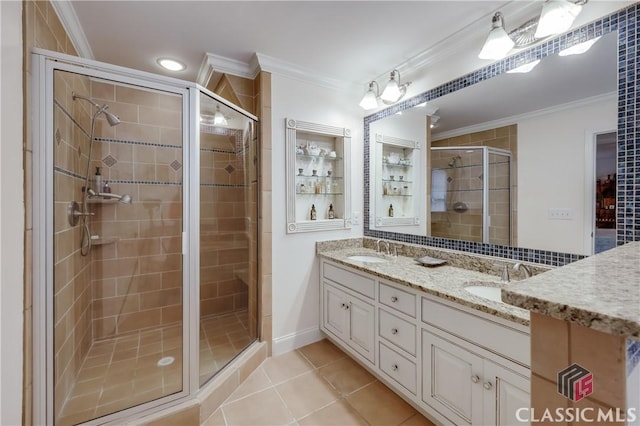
(471,197)
(145,253)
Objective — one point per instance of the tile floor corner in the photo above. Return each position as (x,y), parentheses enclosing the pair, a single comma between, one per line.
(314,385)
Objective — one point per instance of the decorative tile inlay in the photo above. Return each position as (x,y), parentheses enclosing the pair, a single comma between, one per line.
(175,165)
(109,160)
(229,169)
(625,22)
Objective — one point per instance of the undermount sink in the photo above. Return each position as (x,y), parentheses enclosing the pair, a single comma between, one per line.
(367,258)
(488,292)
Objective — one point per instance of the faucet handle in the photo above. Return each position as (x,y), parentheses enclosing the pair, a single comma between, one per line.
(504,277)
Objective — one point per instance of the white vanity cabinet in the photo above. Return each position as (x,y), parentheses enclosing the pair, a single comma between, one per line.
(346,312)
(458,365)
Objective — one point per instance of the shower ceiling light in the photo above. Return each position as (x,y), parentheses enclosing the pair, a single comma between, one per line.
(578,49)
(524,68)
(218,118)
(556,17)
(498,42)
(171,64)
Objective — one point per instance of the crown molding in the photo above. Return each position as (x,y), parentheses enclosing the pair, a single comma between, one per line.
(516,118)
(67,15)
(260,62)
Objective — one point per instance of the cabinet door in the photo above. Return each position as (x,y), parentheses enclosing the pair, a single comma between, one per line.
(362,327)
(335,313)
(505,391)
(452,380)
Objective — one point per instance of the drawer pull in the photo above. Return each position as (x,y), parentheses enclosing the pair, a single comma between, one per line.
(394,331)
(394,367)
(394,299)
(475,379)
(488,385)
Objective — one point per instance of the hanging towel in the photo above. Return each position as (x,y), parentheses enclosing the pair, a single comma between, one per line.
(438,190)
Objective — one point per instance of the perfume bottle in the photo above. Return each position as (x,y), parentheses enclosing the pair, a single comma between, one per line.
(390,210)
(313,213)
(332,213)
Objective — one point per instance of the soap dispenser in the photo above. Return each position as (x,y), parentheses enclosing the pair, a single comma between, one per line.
(97,181)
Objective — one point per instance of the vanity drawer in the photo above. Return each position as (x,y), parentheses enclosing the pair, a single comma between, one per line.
(398,299)
(351,280)
(509,342)
(398,331)
(397,367)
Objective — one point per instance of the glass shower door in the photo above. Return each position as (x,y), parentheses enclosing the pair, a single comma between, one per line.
(499,198)
(118,269)
(228,234)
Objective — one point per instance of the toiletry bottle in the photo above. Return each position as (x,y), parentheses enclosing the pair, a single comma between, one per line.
(106,188)
(313,212)
(97,181)
(390,210)
(332,213)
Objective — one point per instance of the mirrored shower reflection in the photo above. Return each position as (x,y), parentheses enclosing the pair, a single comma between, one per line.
(228,234)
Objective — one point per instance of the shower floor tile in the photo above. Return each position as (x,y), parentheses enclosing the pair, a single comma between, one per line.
(123,372)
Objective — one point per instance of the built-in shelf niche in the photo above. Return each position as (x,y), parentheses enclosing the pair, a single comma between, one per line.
(396,167)
(318,160)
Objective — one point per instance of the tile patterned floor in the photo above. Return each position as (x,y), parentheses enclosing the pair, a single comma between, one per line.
(123,372)
(314,385)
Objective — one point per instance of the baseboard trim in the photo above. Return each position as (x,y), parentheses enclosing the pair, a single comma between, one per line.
(296,340)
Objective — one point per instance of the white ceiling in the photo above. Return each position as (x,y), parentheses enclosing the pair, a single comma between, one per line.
(350,41)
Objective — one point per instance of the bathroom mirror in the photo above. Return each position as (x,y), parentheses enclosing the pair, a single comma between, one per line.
(546,121)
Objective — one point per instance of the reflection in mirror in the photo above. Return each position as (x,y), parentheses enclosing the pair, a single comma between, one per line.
(547,121)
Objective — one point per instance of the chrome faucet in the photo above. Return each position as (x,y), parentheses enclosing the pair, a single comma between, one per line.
(386,243)
(525,269)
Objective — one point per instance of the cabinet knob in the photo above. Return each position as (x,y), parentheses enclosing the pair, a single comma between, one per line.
(394,299)
(488,385)
(475,379)
(344,306)
(394,367)
(348,306)
(394,331)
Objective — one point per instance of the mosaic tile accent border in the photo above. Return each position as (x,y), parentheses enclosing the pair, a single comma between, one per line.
(133,182)
(633,355)
(624,21)
(128,142)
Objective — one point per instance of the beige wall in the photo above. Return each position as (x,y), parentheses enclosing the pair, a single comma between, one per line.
(43,29)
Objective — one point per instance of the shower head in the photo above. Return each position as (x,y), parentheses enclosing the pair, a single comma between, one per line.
(112,119)
(454,161)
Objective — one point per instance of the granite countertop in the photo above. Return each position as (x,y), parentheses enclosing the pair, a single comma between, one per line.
(443,281)
(600,292)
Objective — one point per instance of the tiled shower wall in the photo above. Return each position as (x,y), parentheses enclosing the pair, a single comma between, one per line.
(72,271)
(225,221)
(468,225)
(137,272)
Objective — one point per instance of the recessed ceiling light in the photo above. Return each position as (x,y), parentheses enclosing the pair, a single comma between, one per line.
(171,64)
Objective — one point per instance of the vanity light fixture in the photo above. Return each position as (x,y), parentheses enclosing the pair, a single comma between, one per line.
(370,98)
(171,64)
(434,121)
(578,49)
(218,118)
(557,16)
(394,90)
(498,42)
(524,68)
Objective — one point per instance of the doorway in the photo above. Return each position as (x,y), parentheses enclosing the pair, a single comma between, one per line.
(604,236)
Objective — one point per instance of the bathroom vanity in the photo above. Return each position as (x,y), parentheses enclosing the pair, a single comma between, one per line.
(458,357)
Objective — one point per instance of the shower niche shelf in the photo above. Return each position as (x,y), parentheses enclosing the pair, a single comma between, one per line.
(317,176)
(394,162)
(104,241)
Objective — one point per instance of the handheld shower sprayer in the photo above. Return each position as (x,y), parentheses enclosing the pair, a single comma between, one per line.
(124,198)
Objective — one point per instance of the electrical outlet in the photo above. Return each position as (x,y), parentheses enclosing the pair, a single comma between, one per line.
(560,214)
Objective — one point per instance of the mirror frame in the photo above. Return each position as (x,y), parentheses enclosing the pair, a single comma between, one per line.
(625,22)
